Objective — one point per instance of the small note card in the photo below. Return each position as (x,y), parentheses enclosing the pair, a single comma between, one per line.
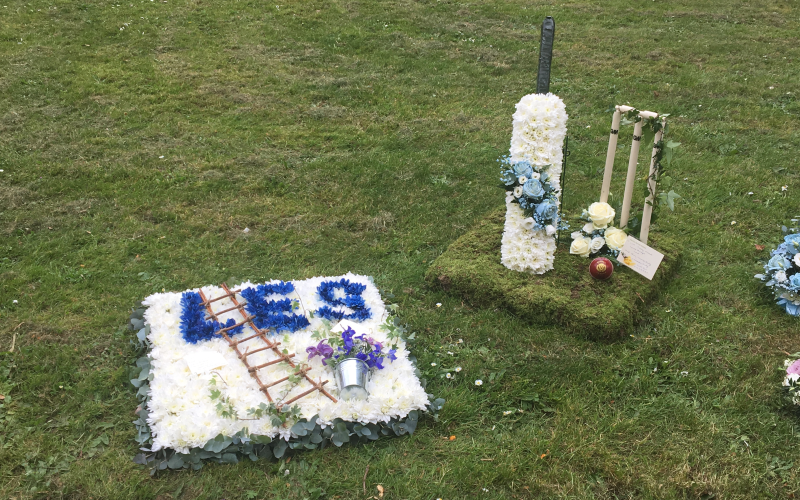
(204,360)
(640,257)
(344,325)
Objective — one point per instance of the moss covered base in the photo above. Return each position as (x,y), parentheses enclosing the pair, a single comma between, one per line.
(566,296)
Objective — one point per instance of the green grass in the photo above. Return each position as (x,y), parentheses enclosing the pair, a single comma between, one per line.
(566,296)
(362,136)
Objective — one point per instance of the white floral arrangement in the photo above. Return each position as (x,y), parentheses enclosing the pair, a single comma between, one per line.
(187,410)
(533,187)
(782,271)
(597,236)
(791,381)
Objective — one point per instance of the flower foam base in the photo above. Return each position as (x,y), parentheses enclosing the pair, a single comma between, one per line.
(181,413)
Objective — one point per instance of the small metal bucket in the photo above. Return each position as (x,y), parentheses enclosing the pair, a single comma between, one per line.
(352,375)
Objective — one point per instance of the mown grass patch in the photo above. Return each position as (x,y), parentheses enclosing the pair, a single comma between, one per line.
(362,136)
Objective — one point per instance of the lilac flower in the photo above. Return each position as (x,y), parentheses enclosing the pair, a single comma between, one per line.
(322,349)
(392,355)
(374,343)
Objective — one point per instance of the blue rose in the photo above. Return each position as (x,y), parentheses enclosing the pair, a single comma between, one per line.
(794,282)
(508,177)
(523,168)
(778,263)
(533,189)
(792,242)
(546,211)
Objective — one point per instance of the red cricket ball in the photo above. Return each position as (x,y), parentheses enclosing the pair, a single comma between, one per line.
(601,268)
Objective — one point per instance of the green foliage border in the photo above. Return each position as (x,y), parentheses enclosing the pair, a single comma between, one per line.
(232,449)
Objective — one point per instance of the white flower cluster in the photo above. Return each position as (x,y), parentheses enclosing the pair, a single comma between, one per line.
(524,249)
(182,414)
(540,126)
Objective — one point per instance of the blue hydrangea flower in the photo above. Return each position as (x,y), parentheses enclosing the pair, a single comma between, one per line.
(523,168)
(533,189)
(792,243)
(778,263)
(790,307)
(546,211)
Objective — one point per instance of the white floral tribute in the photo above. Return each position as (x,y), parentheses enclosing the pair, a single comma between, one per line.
(540,126)
(182,413)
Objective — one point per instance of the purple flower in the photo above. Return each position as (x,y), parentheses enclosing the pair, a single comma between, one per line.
(391,355)
(374,343)
(322,349)
(347,337)
(794,368)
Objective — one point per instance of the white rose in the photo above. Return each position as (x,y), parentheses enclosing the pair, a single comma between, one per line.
(576,234)
(551,230)
(596,244)
(796,259)
(615,238)
(601,214)
(523,180)
(528,223)
(580,246)
(518,191)
(588,228)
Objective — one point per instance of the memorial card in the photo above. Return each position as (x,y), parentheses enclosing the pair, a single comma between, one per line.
(640,257)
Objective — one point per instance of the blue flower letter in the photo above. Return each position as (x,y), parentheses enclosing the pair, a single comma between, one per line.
(352,300)
(194,326)
(273,314)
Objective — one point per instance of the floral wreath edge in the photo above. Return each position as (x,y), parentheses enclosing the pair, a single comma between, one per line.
(782,271)
(231,449)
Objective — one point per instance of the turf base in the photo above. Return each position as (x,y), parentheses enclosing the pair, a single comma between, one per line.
(566,296)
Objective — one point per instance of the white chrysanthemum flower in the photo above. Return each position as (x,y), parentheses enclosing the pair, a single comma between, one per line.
(780,276)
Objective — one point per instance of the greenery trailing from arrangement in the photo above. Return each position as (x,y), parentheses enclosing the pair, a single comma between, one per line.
(662,161)
(306,433)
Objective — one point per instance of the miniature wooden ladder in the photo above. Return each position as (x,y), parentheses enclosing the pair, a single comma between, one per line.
(269,345)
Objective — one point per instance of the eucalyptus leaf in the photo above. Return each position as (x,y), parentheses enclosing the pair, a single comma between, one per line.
(175,462)
(279,448)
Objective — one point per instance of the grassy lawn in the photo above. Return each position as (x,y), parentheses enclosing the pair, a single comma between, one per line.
(139,139)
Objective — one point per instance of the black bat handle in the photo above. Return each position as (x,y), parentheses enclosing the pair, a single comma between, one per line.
(545,55)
